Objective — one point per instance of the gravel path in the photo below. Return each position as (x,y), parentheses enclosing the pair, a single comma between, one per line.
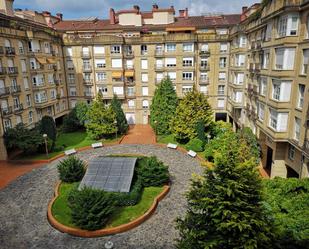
(23,206)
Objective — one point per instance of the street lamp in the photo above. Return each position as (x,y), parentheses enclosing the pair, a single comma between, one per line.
(156,122)
(109,245)
(46,148)
(115,123)
(208,138)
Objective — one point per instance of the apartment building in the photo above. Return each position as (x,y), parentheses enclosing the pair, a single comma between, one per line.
(253,66)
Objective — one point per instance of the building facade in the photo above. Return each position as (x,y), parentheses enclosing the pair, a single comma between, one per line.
(253,67)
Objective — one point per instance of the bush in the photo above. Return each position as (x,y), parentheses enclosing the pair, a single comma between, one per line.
(71,122)
(91,208)
(152,172)
(131,198)
(196,145)
(71,169)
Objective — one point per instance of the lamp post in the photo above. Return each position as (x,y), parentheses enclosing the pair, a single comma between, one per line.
(156,123)
(109,245)
(208,138)
(46,148)
(115,123)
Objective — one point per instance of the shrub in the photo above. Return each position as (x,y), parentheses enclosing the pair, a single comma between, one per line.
(200,131)
(91,208)
(71,169)
(71,122)
(196,145)
(152,172)
(131,198)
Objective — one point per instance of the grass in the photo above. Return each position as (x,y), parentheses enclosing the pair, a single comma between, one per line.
(69,140)
(62,212)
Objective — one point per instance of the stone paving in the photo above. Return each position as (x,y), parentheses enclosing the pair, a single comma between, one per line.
(140,134)
(23,206)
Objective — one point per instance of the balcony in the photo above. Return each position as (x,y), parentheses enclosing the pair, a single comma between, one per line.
(40,85)
(159,53)
(4,91)
(128,54)
(88,94)
(85,55)
(88,82)
(87,69)
(18,108)
(12,70)
(58,82)
(159,67)
(10,51)
(130,95)
(204,53)
(15,89)
(7,111)
(72,93)
(41,103)
(254,67)
(2,71)
(204,80)
(130,82)
(204,67)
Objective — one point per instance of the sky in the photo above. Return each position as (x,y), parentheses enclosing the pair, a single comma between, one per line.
(73,9)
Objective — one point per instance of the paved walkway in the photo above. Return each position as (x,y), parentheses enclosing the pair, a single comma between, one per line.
(140,134)
(23,205)
(10,171)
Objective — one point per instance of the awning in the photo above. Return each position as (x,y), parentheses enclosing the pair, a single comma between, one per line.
(129,73)
(42,60)
(51,61)
(117,74)
(181,29)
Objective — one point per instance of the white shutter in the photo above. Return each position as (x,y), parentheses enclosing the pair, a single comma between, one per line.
(99,61)
(204,47)
(282,122)
(203,89)
(289,56)
(159,76)
(306,56)
(285,91)
(144,64)
(145,91)
(159,63)
(170,61)
(240,77)
(279,58)
(144,77)
(118,90)
(223,47)
(172,75)
(69,52)
(221,103)
(10,63)
(116,63)
(99,49)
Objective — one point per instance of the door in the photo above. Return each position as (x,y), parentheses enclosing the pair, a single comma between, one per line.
(269,159)
(145,119)
(130,118)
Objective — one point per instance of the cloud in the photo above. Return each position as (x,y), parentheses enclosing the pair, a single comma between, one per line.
(82,8)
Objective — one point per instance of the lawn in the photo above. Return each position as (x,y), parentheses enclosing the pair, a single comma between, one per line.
(70,140)
(62,212)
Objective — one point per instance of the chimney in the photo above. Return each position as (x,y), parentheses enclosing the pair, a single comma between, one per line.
(46,13)
(172,7)
(186,14)
(181,13)
(244,9)
(60,16)
(112,19)
(155,6)
(7,7)
(136,7)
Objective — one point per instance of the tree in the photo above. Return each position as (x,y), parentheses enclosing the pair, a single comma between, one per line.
(71,122)
(122,124)
(81,110)
(101,119)
(47,126)
(163,107)
(193,108)
(225,206)
(247,134)
(22,138)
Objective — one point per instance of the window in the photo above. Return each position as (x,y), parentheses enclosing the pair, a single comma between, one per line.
(70,64)
(118,90)
(307,27)
(129,64)
(159,63)
(285,58)
(242,41)
(171,75)
(7,124)
(170,62)
(187,62)
(239,78)
(265,59)
(145,91)
(116,63)
(221,90)
(261,111)
(204,47)
(18,119)
(71,78)
(278,120)
(222,75)
(188,47)
(26,83)
(72,91)
(220,103)
(100,63)
(130,91)
(186,89)
(240,60)
(222,62)
(131,103)
(170,47)
(263,86)
(99,50)
(305,66)
(87,76)
(23,66)
(40,97)
(145,104)
(288,25)
(144,77)
(204,77)
(159,49)
(143,49)
(53,93)
(301,93)
(116,49)
(291,152)
(50,78)
(281,90)
(223,47)
(187,76)
(101,76)
(28,100)
(297,124)
(69,52)
(21,47)
(282,26)
(237,96)
(204,89)
(268,32)
(46,47)
(144,64)
(103,90)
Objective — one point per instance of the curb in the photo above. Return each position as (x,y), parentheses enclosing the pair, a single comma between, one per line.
(106,231)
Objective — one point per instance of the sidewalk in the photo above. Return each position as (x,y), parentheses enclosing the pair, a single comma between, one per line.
(10,171)
(140,134)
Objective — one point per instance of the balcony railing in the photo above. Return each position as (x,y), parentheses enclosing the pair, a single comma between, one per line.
(18,108)
(204,53)
(159,52)
(10,51)
(12,70)
(87,68)
(159,67)
(204,67)
(1,51)
(7,111)
(2,70)
(85,54)
(4,91)
(15,89)
(88,94)
(128,54)
(204,80)
(88,81)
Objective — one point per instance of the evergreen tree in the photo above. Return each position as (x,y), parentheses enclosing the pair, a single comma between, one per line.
(225,206)
(81,110)
(47,126)
(122,124)
(71,122)
(193,108)
(163,107)
(101,119)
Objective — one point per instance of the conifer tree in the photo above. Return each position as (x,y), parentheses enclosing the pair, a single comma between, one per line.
(163,107)
(193,108)
(122,124)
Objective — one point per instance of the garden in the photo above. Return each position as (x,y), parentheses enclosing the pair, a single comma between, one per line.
(82,126)
(92,209)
